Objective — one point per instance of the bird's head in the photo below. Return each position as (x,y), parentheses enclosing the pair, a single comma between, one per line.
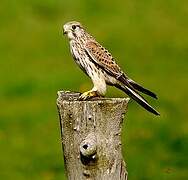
(73,29)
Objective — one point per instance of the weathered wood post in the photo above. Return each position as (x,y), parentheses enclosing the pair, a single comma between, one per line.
(91,137)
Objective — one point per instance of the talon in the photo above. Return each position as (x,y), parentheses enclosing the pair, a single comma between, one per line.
(88,95)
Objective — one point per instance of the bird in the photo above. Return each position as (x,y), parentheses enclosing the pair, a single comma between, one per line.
(98,63)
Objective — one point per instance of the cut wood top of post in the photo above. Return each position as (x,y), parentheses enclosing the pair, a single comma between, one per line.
(73,96)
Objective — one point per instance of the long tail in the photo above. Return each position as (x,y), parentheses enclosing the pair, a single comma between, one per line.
(137,97)
(132,84)
(141,89)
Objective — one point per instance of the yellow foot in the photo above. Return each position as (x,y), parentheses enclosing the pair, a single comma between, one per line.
(88,95)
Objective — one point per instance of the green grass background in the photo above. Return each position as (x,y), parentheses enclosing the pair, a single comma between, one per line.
(148,38)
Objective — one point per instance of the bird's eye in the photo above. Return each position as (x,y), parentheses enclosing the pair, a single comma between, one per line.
(73,27)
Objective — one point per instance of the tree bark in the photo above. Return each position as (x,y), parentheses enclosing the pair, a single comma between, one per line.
(91,137)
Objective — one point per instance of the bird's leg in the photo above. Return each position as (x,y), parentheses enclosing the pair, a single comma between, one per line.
(88,95)
(98,89)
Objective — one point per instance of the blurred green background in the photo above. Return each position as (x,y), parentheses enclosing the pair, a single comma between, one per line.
(148,38)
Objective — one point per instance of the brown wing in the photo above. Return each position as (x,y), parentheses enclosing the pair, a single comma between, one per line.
(100,56)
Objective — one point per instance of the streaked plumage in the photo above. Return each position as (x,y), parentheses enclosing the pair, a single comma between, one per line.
(101,67)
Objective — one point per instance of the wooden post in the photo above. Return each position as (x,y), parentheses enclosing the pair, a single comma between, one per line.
(91,137)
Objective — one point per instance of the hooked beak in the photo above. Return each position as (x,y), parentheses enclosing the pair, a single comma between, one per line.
(64,32)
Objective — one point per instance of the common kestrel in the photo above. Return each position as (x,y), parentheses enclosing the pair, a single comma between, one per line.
(101,67)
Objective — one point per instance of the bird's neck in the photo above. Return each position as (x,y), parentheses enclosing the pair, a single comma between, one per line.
(83,36)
